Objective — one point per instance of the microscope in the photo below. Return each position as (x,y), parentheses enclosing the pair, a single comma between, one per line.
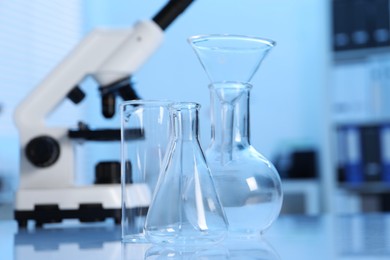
(47,191)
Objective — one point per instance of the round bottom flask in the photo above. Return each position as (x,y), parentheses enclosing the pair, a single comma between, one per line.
(248,184)
(185,212)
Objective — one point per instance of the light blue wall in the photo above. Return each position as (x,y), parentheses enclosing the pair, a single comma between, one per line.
(288,93)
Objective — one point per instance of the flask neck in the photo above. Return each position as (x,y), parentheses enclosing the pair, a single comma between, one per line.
(229,116)
(185,121)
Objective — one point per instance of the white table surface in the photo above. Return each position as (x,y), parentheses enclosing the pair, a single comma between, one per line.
(291,237)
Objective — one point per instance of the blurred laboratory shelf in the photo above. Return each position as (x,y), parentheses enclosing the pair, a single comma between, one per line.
(365,197)
(301,196)
(358,55)
(375,187)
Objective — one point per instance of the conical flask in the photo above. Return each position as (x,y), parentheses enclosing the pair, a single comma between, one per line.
(248,184)
(185,212)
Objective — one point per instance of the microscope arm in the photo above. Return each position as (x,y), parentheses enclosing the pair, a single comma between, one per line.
(47,150)
(101,52)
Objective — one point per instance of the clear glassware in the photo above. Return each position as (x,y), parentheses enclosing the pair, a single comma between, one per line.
(248,184)
(226,57)
(251,248)
(145,133)
(164,253)
(185,212)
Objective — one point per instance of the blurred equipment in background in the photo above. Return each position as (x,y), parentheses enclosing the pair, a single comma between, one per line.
(297,163)
(47,191)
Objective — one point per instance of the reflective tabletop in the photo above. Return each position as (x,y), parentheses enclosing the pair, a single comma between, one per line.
(291,237)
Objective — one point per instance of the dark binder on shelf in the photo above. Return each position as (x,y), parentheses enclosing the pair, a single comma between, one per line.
(360,24)
(385,152)
(340,154)
(371,152)
(380,33)
(353,166)
(341,25)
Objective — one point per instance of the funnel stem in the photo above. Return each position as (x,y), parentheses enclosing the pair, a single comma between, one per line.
(227,135)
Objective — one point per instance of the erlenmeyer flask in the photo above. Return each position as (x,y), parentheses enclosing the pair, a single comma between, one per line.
(185,211)
(248,184)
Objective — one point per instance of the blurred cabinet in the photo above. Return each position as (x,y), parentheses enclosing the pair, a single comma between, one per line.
(360,104)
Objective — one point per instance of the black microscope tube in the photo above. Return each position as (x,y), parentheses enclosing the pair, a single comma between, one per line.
(170,12)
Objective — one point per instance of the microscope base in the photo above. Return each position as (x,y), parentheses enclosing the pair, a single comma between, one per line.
(44,214)
(87,204)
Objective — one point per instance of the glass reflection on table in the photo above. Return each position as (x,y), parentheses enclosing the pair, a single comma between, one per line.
(363,237)
(251,248)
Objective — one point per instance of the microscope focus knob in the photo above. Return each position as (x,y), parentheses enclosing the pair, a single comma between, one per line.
(108,172)
(42,151)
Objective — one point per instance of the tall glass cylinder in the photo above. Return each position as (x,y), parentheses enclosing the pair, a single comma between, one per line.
(145,133)
(248,184)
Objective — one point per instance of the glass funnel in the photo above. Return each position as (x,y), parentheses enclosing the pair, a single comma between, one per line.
(230,57)
(248,184)
(185,212)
